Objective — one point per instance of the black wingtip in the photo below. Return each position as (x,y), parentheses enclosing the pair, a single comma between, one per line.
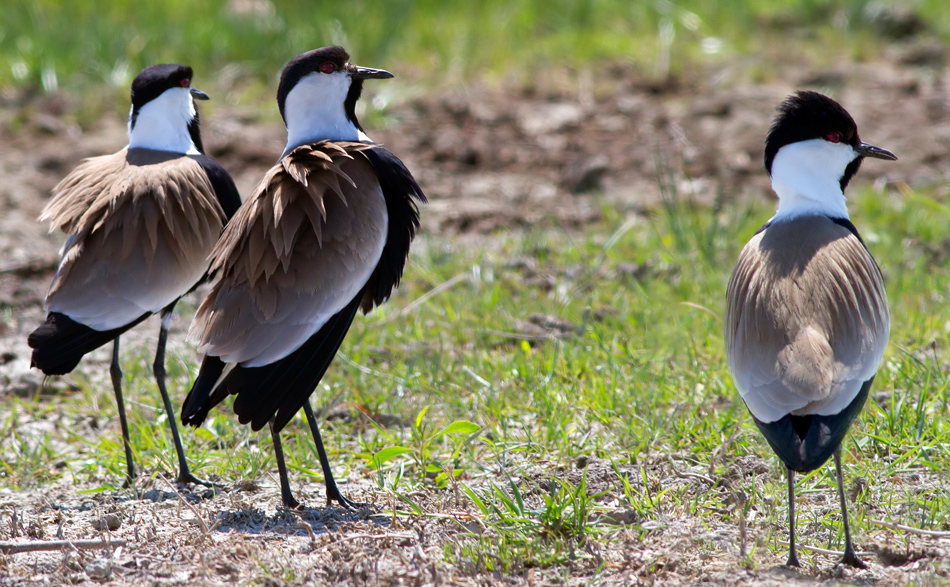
(196,406)
(46,341)
(60,343)
(279,390)
(805,443)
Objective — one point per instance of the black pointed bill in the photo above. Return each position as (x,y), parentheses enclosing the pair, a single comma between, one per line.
(198,94)
(866,150)
(357,72)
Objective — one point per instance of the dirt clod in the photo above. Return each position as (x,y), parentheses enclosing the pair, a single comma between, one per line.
(110,522)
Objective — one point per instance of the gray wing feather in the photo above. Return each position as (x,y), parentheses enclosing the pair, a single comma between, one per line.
(807,320)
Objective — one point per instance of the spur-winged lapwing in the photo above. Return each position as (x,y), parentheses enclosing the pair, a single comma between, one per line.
(806,312)
(326,232)
(141,224)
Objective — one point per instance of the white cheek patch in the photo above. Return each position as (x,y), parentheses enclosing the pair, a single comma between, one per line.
(807,178)
(162,124)
(314,111)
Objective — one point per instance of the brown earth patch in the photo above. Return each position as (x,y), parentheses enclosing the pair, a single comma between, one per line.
(489,161)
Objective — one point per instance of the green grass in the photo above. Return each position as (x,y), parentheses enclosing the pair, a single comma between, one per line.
(89,44)
(86,52)
(641,387)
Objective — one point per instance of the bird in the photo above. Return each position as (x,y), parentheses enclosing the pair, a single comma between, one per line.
(325,233)
(807,319)
(140,224)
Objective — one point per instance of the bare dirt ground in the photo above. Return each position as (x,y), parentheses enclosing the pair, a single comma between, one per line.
(488,160)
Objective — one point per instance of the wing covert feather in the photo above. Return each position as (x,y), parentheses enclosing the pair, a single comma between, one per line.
(152,215)
(296,253)
(807,319)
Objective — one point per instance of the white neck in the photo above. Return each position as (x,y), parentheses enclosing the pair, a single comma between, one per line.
(807,178)
(162,124)
(314,111)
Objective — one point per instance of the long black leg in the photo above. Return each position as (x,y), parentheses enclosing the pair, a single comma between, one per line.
(285,494)
(116,373)
(850,557)
(158,368)
(792,555)
(333,492)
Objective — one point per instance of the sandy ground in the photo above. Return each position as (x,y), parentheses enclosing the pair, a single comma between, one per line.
(488,160)
(172,536)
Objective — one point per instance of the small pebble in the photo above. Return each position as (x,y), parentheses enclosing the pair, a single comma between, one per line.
(99,569)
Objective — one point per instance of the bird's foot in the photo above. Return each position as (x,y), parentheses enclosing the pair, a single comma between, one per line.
(289,500)
(793,560)
(851,559)
(344,501)
(186,478)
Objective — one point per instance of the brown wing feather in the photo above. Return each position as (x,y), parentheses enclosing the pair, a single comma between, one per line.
(807,319)
(141,226)
(297,252)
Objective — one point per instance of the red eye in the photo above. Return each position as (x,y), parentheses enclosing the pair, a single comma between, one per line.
(834,137)
(327,67)
(185,82)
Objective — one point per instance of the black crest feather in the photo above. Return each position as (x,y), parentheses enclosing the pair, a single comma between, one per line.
(303,65)
(152,81)
(808,115)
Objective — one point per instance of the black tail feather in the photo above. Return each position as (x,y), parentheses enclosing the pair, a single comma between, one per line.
(60,342)
(280,388)
(804,443)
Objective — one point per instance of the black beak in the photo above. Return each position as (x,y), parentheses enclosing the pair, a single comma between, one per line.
(357,72)
(199,95)
(866,150)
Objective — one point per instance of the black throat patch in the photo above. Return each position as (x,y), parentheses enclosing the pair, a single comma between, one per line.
(195,133)
(349,105)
